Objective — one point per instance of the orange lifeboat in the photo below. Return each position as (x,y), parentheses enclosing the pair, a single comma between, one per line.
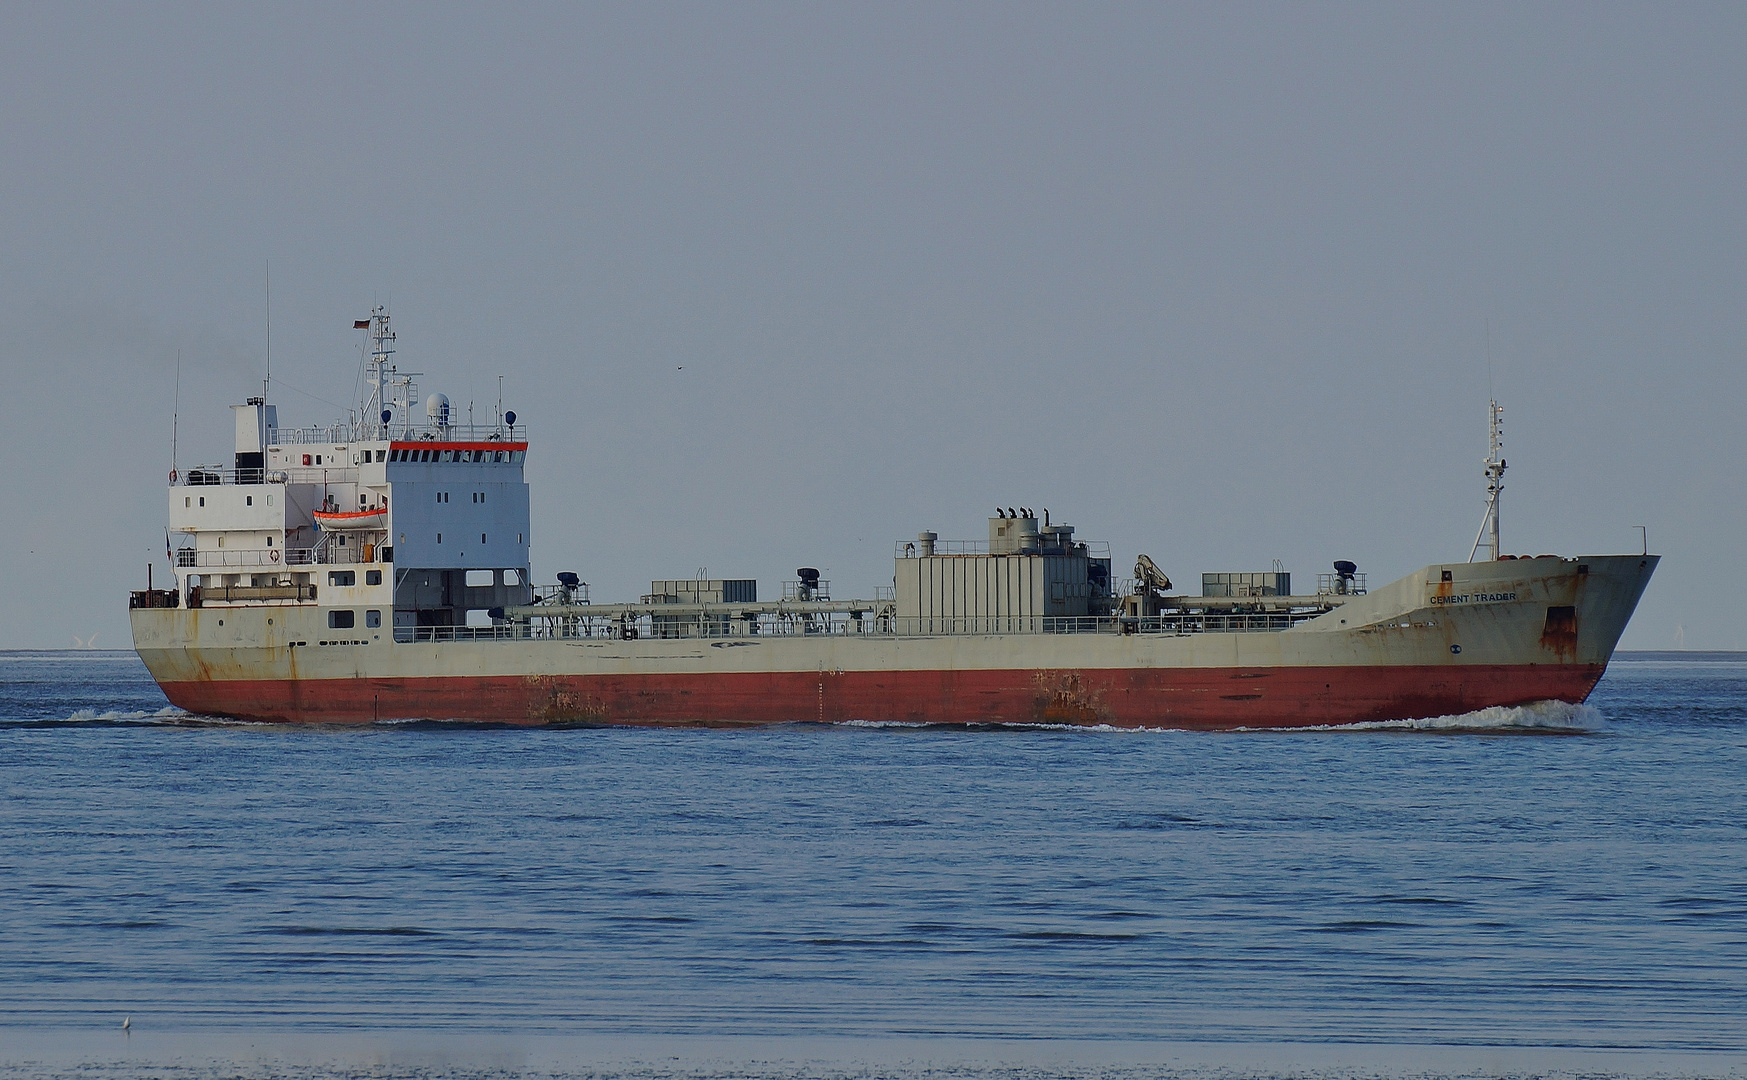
(373,518)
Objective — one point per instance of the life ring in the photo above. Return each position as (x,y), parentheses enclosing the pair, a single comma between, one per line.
(274,554)
(172,476)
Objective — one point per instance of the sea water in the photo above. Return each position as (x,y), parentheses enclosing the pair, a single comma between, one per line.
(1541,883)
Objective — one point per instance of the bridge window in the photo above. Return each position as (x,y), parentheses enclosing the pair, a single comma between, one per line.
(341,620)
(511,577)
(479,579)
(380,454)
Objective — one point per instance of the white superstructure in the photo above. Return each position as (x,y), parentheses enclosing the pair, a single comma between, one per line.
(403,515)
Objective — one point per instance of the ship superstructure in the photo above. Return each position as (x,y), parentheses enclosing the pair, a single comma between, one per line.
(379,569)
(403,518)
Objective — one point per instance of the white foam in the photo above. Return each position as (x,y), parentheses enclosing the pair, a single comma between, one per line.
(1025,725)
(167,713)
(1535,716)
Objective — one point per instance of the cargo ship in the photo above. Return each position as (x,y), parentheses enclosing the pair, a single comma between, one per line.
(378,569)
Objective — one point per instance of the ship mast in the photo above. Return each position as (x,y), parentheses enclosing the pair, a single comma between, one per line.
(383,338)
(1495,466)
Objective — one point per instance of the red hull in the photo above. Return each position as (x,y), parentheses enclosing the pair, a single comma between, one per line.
(1207,698)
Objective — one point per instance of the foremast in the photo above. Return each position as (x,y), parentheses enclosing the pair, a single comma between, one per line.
(1495,466)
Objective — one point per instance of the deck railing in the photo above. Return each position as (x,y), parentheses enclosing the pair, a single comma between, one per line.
(214,476)
(717,627)
(326,555)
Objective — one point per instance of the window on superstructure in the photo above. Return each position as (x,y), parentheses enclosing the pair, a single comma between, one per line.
(341,620)
(373,619)
(203,500)
(248,500)
(187,502)
(346,578)
(318,459)
(381,455)
(372,577)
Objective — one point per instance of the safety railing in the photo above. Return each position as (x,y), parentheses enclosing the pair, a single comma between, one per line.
(911,549)
(213,476)
(341,434)
(629,627)
(326,555)
(1340,584)
(501,632)
(197,558)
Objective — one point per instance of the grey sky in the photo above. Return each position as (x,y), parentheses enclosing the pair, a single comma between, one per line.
(1212,283)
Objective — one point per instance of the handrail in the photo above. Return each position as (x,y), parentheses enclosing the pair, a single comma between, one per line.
(910,549)
(718,627)
(215,476)
(326,555)
(345,434)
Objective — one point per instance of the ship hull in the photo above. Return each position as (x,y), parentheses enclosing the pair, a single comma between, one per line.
(1447,640)
(1213,698)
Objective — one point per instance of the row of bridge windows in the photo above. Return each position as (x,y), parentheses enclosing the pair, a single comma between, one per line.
(422,454)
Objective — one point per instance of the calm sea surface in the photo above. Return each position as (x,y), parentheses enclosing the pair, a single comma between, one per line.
(1539,878)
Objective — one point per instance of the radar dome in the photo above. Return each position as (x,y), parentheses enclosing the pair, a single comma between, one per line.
(437,408)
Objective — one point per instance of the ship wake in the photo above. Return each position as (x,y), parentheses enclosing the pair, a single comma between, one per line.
(1536,718)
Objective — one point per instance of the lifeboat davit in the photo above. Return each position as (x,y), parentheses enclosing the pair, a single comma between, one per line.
(374,518)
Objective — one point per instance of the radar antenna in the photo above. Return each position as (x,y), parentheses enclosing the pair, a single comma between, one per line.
(1495,466)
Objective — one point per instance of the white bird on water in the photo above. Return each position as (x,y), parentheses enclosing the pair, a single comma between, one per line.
(127,1024)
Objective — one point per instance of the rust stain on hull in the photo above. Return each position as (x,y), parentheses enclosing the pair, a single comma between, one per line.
(1559,636)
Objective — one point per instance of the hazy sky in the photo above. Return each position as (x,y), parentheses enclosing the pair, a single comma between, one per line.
(779,285)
